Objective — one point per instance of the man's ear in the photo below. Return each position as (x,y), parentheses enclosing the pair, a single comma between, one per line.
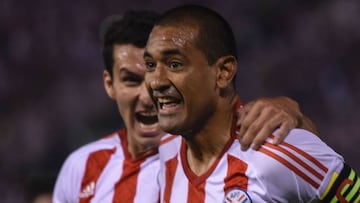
(108,84)
(227,68)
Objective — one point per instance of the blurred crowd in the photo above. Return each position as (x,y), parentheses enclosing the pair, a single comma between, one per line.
(52,98)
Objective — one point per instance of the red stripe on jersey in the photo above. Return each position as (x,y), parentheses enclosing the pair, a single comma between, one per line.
(290,166)
(168,139)
(296,159)
(235,177)
(306,155)
(170,166)
(196,193)
(94,166)
(125,188)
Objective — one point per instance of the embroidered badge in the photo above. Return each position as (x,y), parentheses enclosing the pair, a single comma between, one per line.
(237,195)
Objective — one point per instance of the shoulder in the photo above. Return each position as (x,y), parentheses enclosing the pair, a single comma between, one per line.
(302,160)
(72,171)
(303,142)
(298,136)
(304,150)
(111,142)
(78,158)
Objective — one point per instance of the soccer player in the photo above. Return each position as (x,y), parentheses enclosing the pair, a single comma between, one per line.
(123,166)
(191,63)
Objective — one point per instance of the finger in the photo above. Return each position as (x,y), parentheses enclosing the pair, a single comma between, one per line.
(250,135)
(247,138)
(284,130)
(253,109)
(240,114)
(278,121)
(283,121)
(241,124)
(260,129)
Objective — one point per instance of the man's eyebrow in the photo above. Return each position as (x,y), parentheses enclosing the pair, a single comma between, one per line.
(167,52)
(126,71)
(147,54)
(171,52)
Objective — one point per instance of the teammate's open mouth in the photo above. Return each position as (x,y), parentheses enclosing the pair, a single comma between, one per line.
(147,118)
(167,102)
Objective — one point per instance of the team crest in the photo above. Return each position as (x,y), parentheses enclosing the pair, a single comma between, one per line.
(237,195)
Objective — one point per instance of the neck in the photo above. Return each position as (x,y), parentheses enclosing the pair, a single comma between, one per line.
(204,147)
(137,150)
(138,153)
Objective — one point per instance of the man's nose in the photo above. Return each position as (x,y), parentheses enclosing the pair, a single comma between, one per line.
(158,79)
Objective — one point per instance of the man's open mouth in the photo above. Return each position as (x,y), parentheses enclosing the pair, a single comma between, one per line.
(147,118)
(167,102)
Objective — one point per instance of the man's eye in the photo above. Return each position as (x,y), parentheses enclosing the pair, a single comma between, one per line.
(131,81)
(175,64)
(150,65)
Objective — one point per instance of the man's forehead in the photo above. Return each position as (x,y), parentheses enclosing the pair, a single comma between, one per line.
(179,35)
(130,57)
(127,50)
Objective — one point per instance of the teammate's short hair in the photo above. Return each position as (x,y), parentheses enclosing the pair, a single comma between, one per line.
(132,28)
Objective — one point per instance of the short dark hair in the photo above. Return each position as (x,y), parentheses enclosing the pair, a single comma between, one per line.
(132,28)
(215,37)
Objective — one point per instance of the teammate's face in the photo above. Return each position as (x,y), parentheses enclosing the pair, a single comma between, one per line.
(128,89)
(179,79)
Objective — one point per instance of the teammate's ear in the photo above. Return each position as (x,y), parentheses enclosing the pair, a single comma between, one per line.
(108,84)
(227,67)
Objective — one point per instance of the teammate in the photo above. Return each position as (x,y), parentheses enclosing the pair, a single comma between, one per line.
(191,63)
(123,167)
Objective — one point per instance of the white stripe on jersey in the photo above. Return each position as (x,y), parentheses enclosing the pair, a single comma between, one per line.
(68,184)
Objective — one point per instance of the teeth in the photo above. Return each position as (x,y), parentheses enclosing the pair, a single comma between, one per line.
(147,113)
(166,100)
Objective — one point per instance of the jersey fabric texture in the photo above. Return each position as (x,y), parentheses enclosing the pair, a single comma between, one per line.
(300,169)
(103,171)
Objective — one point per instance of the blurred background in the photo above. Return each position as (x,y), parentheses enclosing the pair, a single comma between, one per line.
(52,98)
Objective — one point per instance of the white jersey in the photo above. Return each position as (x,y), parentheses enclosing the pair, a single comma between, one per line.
(301,169)
(103,171)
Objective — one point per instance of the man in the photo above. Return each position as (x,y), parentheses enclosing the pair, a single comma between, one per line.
(123,167)
(191,64)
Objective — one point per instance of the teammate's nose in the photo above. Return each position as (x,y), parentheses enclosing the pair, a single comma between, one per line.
(145,97)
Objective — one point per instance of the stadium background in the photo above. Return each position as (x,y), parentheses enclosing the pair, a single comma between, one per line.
(52,98)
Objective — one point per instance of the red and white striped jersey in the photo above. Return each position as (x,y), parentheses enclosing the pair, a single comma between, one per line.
(301,169)
(103,171)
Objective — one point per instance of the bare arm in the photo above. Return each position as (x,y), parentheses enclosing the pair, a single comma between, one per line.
(259,118)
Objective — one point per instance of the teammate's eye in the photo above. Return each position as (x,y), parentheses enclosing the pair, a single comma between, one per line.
(131,80)
(150,65)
